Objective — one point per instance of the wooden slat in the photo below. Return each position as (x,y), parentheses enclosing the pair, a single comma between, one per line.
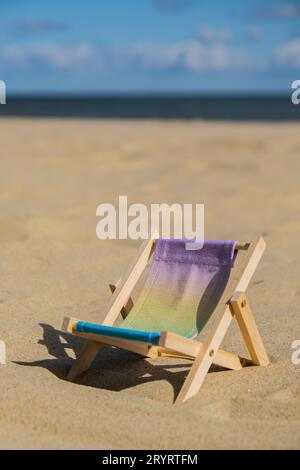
(129,304)
(84,360)
(243,313)
(181,344)
(204,360)
(126,285)
(191,348)
(138,347)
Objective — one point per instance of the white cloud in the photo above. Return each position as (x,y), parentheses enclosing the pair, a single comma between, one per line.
(211,34)
(53,55)
(254,33)
(289,10)
(156,55)
(194,56)
(29,26)
(171,5)
(286,10)
(289,53)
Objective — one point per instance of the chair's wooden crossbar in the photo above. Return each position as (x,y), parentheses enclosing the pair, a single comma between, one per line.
(191,348)
(138,347)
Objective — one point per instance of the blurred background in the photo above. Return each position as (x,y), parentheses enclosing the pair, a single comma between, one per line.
(196,68)
(150,58)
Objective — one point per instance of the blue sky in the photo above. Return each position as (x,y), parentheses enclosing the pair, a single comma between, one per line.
(212,46)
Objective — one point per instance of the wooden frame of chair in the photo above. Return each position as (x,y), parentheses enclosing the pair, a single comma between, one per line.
(233,302)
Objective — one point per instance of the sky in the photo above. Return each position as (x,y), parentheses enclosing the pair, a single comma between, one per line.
(149,46)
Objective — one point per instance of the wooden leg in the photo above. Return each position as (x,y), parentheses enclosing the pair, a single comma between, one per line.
(84,360)
(242,310)
(204,360)
(91,348)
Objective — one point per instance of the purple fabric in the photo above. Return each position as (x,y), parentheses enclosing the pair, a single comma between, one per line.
(183,287)
(214,252)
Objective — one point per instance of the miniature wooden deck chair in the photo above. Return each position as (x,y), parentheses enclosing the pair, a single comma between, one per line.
(185,291)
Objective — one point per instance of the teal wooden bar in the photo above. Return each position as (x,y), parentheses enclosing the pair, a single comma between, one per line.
(123,333)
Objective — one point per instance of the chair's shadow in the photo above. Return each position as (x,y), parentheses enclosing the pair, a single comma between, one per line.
(112,369)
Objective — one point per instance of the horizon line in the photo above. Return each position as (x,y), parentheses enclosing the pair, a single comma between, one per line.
(151,94)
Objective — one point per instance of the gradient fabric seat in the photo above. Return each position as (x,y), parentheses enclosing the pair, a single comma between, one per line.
(180,293)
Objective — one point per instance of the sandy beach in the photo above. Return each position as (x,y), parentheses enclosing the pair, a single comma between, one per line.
(54,173)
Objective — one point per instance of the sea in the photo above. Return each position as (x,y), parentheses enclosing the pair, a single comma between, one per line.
(166,107)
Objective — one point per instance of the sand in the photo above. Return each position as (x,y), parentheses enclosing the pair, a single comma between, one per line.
(54,173)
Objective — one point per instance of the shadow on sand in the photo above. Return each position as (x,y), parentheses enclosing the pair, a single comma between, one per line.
(113,369)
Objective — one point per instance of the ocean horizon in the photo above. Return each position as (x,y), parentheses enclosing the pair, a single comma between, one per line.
(257,107)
